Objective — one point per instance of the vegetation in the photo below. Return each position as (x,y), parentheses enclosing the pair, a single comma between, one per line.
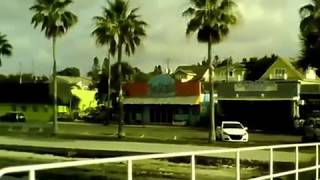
(69,71)
(211,20)
(95,72)
(257,66)
(55,21)
(310,35)
(121,29)
(5,47)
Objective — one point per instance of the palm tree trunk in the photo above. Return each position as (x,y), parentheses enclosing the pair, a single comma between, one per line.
(109,80)
(54,80)
(212,130)
(121,111)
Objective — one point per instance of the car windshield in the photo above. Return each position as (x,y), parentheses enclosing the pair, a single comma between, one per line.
(234,125)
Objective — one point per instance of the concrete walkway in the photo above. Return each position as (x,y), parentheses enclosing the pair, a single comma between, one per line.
(72,145)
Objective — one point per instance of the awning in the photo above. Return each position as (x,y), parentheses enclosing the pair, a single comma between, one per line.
(187,100)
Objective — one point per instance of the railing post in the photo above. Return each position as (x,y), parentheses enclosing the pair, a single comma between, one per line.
(32,175)
(317,161)
(129,169)
(271,163)
(193,167)
(297,162)
(238,164)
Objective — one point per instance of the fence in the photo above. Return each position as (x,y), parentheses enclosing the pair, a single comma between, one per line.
(32,169)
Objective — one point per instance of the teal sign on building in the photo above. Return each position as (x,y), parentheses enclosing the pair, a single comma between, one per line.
(162,86)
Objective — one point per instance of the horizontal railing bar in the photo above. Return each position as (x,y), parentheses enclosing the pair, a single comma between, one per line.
(286,173)
(141,157)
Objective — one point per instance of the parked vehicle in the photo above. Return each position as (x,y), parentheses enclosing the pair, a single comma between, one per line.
(311,129)
(66,117)
(13,117)
(232,131)
(100,115)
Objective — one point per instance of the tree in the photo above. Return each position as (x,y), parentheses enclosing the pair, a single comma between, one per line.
(310,35)
(105,66)
(55,21)
(69,71)
(95,71)
(107,73)
(127,72)
(211,19)
(121,29)
(5,47)
(256,67)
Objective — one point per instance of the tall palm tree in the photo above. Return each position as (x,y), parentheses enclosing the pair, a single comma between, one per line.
(121,29)
(55,21)
(211,19)
(310,34)
(310,17)
(5,47)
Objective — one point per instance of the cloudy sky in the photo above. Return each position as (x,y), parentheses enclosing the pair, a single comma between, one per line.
(266,26)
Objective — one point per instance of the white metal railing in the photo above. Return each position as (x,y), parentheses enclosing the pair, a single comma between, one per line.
(31,169)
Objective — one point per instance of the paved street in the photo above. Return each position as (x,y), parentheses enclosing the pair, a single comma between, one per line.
(115,147)
(136,147)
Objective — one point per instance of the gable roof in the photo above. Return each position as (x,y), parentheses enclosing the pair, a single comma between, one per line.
(283,63)
(199,71)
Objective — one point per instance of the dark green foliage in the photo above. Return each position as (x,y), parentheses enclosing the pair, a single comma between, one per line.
(5,47)
(256,67)
(126,75)
(70,71)
(52,17)
(102,87)
(95,72)
(141,77)
(105,66)
(210,18)
(121,29)
(14,92)
(310,35)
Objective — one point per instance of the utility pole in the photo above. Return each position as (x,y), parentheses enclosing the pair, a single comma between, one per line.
(20,71)
(32,73)
(227,75)
(168,65)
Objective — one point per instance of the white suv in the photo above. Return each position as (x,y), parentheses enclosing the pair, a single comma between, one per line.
(232,131)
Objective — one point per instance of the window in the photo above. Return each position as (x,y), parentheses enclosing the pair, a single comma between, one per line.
(280,72)
(230,73)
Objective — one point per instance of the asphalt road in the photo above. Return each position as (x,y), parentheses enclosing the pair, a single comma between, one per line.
(170,132)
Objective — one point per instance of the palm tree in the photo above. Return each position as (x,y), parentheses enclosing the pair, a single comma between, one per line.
(120,29)
(211,19)
(310,18)
(310,34)
(55,21)
(5,47)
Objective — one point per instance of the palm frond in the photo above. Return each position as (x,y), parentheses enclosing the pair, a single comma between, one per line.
(52,17)
(5,47)
(119,26)
(210,18)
